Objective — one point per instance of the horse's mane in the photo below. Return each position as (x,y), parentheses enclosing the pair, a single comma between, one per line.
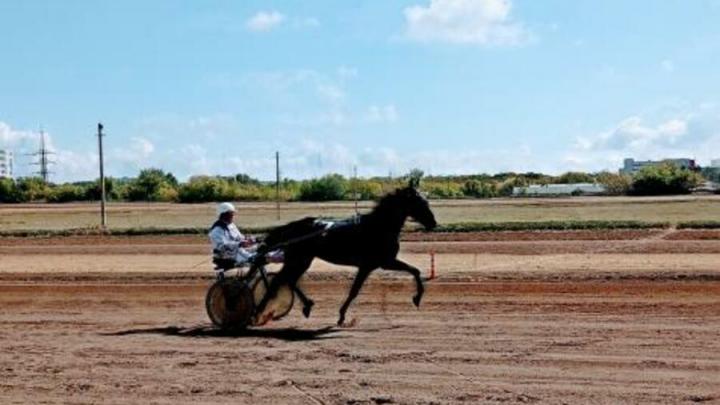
(389,200)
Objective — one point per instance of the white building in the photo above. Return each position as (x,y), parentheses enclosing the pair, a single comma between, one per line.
(632,166)
(715,163)
(6,163)
(560,189)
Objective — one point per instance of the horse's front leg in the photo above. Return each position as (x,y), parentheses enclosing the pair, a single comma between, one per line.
(398,265)
(360,277)
(307,302)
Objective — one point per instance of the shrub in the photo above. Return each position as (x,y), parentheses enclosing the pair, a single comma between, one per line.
(616,184)
(31,189)
(442,190)
(328,188)
(574,177)
(664,179)
(477,189)
(365,189)
(205,189)
(9,192)
(66,193)
(150,185)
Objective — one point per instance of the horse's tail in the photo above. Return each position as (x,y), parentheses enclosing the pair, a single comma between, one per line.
(289,232)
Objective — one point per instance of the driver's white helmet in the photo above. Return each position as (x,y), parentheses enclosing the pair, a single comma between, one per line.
(225,207)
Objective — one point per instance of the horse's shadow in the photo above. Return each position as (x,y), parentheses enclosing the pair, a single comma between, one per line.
(286,334)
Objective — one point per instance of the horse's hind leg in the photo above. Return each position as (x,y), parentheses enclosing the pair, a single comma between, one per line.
(360,278)
(398,265)
(291,271)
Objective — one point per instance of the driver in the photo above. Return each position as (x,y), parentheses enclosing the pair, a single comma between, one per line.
(227,241)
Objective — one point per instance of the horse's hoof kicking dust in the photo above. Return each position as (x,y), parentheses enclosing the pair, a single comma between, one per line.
(353,322)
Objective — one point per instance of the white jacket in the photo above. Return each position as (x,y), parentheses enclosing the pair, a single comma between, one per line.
(227,242)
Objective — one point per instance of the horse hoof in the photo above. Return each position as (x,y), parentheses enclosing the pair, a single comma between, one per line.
(307,309)
(416,300)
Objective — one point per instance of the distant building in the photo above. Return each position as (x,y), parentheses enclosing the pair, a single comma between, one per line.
(715,163)
(6,163)
(632,166)
(560,189)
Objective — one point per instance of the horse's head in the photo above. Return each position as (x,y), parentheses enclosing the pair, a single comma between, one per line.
(417,207)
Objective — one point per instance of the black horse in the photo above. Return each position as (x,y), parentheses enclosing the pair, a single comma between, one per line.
(368,242)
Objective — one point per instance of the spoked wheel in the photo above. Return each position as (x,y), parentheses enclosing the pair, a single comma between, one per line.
(277,307)
(229,304)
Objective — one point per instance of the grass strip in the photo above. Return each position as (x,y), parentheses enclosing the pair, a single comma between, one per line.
(455,227)
(547,226)
(699,225)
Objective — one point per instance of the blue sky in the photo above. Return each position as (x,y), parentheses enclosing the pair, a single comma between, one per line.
(450,86)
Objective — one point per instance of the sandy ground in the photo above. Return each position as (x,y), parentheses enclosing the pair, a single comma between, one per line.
(594,326)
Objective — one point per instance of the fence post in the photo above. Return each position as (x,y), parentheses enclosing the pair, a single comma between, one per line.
(432,265)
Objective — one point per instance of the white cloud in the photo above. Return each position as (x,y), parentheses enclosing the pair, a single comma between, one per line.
(134,155)
(633,133)
(264,21)
(307,22)
(206,126)
(478,22)
(668,65)
(13,138)
(380,114)
(75,166)
(694,134)
(306,97)
(331,92)
(346,72)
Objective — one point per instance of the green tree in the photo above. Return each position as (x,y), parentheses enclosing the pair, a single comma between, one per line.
(414,177)
(246,179)
(443,189)
(8,191)
(664,179)
(478,189)
(574,177)
(151,185)
(66,193)
(368,189)
(616,184)
(112,190)
(32,188)
(206,189)
(328,188)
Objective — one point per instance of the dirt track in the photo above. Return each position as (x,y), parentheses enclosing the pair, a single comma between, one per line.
(586,327)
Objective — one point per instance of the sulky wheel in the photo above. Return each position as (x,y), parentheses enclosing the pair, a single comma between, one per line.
(279,306)
(229,304)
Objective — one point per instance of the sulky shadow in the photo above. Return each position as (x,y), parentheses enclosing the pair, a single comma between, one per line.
(286,334)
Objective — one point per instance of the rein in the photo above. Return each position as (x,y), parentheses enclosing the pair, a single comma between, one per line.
(301,238)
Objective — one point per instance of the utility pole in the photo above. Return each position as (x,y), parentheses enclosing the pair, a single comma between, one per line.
(103,215)
(355,189)
(277,184)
